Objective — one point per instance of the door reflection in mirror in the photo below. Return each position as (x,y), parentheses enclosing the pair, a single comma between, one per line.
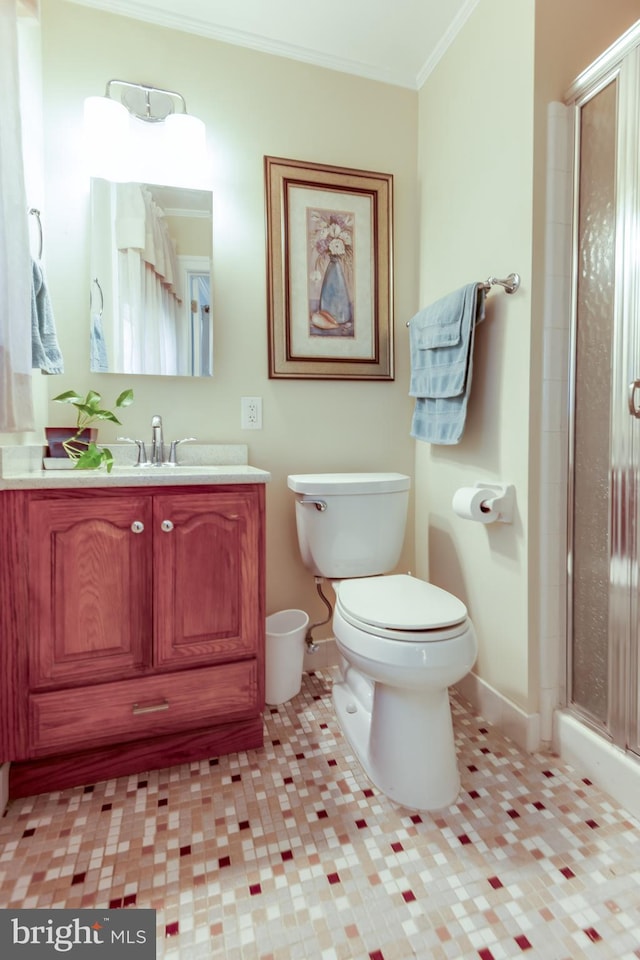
(151,249)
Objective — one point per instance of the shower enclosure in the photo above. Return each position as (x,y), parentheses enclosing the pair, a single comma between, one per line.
(604,410)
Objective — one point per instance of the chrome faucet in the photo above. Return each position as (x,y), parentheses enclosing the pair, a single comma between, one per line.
(157,442)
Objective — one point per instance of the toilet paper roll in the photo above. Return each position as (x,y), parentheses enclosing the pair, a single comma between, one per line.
(468,503)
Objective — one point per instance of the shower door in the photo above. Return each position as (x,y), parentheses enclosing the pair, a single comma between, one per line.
(603,662)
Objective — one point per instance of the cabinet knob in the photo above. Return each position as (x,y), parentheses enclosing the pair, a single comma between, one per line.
(137,526)
(166,526)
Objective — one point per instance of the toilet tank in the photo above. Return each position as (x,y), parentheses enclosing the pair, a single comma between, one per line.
(350,524)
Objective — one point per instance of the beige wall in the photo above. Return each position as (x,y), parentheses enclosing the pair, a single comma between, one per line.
(253,104)
(475,174)
(482,152)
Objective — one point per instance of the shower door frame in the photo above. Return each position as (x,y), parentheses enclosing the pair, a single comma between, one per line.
(620,64)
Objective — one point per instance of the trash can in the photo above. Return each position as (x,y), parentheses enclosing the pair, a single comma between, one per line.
(284,655)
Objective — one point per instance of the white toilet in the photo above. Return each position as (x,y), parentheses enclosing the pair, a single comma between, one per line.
(402,641)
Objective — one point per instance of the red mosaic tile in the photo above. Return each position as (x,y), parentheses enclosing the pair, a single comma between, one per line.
(523,943)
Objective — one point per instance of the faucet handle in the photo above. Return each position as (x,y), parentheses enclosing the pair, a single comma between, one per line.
(173,450)
(142,451)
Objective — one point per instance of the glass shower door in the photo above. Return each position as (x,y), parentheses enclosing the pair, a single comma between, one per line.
(605,431)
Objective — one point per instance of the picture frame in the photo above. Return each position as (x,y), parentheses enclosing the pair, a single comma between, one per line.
(329,271)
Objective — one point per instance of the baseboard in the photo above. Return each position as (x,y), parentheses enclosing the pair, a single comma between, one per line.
(523,728)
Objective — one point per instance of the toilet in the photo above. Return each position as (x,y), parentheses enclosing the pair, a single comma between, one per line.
(402,641)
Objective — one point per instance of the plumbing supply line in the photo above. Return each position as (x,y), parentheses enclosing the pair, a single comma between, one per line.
(311,646)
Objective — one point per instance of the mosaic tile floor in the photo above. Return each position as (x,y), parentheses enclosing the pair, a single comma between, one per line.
(288,853)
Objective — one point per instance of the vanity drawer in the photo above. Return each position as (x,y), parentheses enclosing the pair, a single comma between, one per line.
(109,713)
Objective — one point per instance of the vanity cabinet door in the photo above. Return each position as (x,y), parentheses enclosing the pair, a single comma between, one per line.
(90,589)
(208,602)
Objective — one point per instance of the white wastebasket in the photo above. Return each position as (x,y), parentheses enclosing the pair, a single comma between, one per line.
(284,655)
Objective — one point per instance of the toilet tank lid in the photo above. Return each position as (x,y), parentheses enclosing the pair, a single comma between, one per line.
(347,483)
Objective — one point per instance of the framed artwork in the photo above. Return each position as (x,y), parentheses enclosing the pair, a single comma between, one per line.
(329,271)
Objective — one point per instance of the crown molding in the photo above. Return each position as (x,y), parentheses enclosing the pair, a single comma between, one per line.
(445,42)
(177,21)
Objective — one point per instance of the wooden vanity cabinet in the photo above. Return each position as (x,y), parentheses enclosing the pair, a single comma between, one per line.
(139,630)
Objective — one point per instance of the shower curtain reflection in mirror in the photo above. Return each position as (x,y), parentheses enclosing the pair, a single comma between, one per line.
(151,261)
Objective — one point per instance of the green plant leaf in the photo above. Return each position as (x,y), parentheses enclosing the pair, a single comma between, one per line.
(90,459)
(92,400)
(125,398)
(69,397)
(107,458)
(84,408)
(105,415)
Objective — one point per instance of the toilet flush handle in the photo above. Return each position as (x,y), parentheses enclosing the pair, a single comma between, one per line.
(319,504)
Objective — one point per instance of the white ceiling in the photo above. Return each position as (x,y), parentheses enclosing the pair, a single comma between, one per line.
(397,42)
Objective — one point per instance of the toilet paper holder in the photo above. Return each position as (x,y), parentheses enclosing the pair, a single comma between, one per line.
(500,499)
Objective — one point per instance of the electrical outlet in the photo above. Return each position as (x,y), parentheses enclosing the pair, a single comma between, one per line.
(251,413)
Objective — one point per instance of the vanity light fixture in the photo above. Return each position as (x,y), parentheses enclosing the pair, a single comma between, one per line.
(139,132)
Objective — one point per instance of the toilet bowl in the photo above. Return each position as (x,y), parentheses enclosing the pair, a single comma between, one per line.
(398,720)
(402,641)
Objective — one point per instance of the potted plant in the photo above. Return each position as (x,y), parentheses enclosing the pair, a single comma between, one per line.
(81,446)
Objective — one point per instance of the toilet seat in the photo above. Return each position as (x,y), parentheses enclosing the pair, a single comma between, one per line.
(401,607)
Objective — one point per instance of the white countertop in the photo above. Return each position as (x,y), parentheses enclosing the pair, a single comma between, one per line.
(21,468)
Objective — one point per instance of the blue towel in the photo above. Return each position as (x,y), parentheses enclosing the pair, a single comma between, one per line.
(99,361)
(45,352)
(441,350)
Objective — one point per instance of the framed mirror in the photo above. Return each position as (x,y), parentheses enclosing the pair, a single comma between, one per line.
(150,304)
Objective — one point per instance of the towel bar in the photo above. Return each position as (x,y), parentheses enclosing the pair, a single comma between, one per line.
(36,213)
(510,284)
